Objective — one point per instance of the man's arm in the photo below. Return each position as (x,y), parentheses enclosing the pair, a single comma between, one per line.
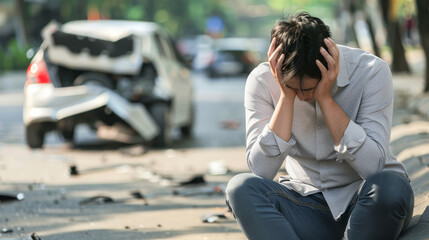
(268,128)
(362,143)
(335,118)
(281,121)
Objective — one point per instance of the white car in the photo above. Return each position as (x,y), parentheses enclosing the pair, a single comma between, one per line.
(123,78)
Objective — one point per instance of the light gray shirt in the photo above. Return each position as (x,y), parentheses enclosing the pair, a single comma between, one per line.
(364,91)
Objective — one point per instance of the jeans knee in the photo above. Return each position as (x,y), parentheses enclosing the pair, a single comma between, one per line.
(240,186)
(387,190)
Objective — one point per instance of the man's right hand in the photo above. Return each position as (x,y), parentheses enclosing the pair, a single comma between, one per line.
(276,63)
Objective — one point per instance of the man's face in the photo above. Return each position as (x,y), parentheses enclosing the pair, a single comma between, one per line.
(305,92)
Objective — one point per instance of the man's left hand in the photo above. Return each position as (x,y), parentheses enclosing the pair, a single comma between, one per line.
(323,91)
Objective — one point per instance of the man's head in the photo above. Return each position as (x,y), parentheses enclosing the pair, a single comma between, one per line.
(302,36)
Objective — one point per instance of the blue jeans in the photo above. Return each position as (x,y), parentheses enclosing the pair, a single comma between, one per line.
(265,209)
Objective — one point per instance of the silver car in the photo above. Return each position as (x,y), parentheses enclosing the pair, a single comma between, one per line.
(124,79)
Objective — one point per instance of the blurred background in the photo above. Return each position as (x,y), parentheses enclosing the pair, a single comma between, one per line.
(210,37)
(388,28)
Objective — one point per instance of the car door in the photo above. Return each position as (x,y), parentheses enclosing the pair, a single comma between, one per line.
(178,77)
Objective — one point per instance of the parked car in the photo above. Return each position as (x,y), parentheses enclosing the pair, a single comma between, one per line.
(124,79)
(235,56)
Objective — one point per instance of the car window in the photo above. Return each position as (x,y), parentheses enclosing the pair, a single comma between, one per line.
(160,45)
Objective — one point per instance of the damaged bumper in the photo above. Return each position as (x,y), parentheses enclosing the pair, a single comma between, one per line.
(45,103)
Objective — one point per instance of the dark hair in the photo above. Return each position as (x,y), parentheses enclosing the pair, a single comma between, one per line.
(302,36)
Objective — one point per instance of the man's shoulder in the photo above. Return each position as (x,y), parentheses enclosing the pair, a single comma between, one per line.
(359,58)
(261,70)
(261,80)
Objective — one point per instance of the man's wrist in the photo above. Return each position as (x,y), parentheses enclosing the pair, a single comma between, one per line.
(325,100)
(289,98)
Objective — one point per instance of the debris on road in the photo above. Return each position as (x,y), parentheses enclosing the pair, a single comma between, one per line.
(73,170)
(195,191)
(9,197)
(32,237)
(35,237)
(199,179)
(6,230)
(213,217)
(230,124)
(139,195)
(217,168)
(133,151)
(96,200)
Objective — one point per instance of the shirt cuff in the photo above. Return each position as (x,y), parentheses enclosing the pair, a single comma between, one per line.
(353,138)
(273,145)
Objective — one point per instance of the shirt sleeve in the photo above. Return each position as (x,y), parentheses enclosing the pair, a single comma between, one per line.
(366,140)
(265,151)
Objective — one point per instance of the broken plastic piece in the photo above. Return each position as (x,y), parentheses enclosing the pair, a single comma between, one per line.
(139,195)
(96,200)
(35,237)
(6,230)
(73,170)
(10,198)
(199,179)
(133,151)
(217,168)
(230,124)
(213,217)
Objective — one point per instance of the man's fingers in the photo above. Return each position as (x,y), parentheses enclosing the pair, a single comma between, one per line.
(279,67)
(329,59)
(322,68)
(276,52)
(272,46)
(332,47)
(273,59)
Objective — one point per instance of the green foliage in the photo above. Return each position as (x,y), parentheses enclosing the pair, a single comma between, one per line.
(14,57)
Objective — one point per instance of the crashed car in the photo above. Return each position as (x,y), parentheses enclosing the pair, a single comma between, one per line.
(124,79)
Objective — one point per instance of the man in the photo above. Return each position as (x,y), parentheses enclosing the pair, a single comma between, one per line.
(325,110)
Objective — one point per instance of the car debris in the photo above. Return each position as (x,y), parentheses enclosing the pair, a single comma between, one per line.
(230,124)
(33,236)
(217,168)
(139,195)
(133,151)
(96,200)
(213,217)
(11,197)
(198,179)
(6,230)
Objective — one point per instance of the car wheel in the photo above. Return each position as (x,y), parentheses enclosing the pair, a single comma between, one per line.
(187,129)
(161,114)
(68,134)
(93,79)
(34,136)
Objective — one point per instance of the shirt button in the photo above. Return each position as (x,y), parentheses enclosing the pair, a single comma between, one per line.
(318,126)
(325,189)
(323,179)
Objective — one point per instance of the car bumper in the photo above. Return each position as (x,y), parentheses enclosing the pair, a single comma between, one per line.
(45,103)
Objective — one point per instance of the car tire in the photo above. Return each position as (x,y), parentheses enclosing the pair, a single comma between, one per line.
(187,129)
(161,114)
(90,78)
(34,136)
(68,134)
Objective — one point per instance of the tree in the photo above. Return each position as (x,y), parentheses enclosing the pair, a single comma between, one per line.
(423,19)
(399,62)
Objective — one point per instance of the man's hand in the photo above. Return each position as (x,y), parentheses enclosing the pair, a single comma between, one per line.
(324,89)
(276,66)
